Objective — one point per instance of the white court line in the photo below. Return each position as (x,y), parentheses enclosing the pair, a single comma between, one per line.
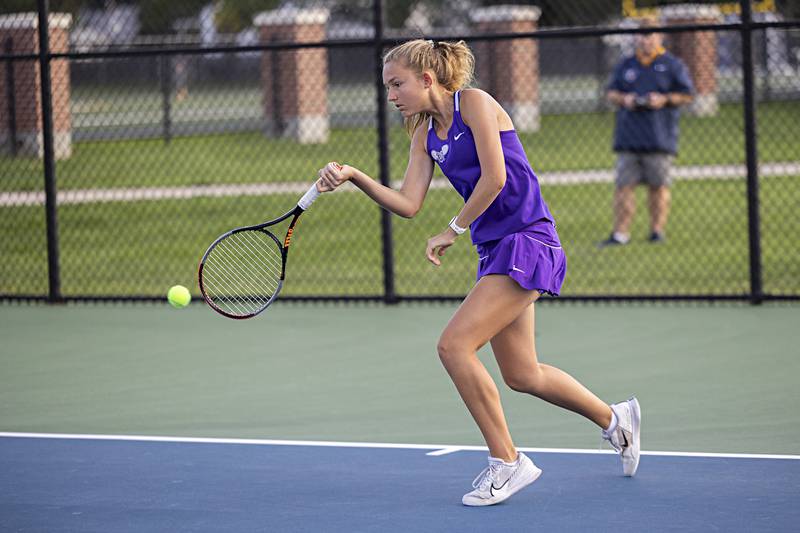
(438,449)
(444,451)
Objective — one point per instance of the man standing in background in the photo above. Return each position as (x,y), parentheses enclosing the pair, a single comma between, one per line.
(648,88)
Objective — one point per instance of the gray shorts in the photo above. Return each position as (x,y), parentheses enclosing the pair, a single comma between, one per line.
(649,168)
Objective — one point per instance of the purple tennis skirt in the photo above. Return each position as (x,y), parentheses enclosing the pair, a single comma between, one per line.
(531,262)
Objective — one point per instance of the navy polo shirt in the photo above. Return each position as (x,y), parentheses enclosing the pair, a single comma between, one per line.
(649,130)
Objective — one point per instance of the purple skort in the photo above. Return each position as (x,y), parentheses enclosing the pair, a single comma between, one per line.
(531,262)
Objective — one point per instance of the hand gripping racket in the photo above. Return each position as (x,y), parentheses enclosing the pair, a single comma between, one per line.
(242,271)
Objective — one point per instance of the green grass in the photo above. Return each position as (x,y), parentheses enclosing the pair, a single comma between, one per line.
(564,142)
(570,142)
(145,247)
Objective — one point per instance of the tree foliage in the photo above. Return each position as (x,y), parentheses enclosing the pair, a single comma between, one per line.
(158,16)
(235,15)
(56,6)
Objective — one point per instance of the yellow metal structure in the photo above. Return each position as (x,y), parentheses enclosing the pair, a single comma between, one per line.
(629,8)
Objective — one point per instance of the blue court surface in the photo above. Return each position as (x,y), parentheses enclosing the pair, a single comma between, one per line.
(53,483)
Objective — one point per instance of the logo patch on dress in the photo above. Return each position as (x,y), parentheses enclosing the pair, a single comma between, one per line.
(440,155)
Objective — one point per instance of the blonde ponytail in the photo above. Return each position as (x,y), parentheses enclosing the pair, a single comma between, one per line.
(451,62)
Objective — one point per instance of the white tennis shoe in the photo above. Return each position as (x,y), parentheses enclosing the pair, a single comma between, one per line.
(625,438)
(499,481)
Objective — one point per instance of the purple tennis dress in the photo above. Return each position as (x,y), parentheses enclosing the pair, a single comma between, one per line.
(516,235)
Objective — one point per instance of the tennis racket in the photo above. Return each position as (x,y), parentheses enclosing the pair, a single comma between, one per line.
(242,271)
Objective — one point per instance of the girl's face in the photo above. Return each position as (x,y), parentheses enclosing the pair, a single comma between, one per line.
(406,90)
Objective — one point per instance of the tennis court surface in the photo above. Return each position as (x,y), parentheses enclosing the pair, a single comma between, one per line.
(76,484)
(340,418)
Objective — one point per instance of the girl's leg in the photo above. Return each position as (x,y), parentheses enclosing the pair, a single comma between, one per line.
(515,350)
(492,304)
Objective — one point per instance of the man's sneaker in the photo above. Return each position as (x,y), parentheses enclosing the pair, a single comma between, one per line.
(625,437)
(499,481)
(614,239)
(656,236)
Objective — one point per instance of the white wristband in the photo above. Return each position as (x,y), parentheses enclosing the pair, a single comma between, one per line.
(455,227)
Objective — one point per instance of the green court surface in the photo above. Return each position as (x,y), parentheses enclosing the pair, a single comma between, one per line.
(711,378)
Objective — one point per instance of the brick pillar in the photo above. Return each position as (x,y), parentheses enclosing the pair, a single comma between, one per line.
(698,50)
(295,82)
(21,31)
(509,70)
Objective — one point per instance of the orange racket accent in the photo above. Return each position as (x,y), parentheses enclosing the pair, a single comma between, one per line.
(288,240)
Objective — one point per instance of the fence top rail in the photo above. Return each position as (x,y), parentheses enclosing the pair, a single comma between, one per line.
(389,41)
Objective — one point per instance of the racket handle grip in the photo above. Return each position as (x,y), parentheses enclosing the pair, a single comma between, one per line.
(308,198)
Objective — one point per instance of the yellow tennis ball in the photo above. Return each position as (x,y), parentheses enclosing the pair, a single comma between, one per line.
(179,296)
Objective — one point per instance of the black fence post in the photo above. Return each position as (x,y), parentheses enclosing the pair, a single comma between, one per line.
(11,97)
(389,295)
(750,142)
(53,269)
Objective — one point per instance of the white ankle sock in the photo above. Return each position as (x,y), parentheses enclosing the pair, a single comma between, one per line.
(515,462)
(621,237)
(613,425)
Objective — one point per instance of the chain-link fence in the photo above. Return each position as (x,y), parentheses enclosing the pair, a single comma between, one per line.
(140,131)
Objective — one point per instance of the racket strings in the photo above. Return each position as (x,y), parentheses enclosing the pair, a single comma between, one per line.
(242,278)
(242,272)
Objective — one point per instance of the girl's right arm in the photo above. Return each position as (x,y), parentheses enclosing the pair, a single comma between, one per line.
(406,201)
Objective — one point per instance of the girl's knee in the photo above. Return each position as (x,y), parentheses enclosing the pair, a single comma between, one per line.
(453,347)
(529,381)
(446,347)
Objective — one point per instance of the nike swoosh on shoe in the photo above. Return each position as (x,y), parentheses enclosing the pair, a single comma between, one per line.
(492,488)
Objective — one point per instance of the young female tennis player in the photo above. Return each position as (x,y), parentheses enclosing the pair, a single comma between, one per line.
(520,257)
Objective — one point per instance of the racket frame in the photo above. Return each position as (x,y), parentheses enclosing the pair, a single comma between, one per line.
(298,210)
